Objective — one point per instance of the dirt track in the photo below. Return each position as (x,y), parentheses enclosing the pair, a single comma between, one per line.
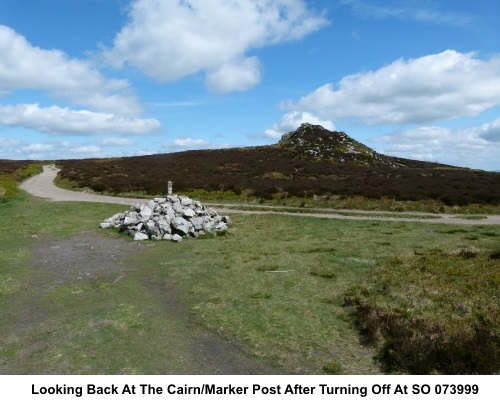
(43,186)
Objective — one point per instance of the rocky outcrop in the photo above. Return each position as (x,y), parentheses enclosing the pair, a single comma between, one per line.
(314,141)
(170,218)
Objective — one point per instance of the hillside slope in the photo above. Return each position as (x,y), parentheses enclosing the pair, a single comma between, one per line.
(306,162)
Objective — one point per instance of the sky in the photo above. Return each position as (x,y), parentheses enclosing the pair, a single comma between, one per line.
(418,79)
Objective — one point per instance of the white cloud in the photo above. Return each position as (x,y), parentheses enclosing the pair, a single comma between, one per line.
(238,75)
(184,143)
(190,143)
(9,142)
(434,87)
(116,142)
(37,148)
(143,152)
(171,39)
(490,131)
(461,147)
(57,120)
(24,66)
(58,150)
(293,120)
(88,149)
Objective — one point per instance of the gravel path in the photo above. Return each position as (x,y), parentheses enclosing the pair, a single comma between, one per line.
(43,186)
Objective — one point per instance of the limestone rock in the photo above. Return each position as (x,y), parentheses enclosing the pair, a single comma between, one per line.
(188,213)
(186,201)
(181,225)
(177,238)
(141,236)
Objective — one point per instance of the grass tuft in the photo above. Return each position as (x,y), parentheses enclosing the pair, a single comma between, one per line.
(324,273)
(334,368)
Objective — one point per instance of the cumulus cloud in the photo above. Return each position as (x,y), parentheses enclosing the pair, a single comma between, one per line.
(490,131)
(58,150)
(57,120)
(171,39)
(293,120)
(461,147)
(86,149)
(236,75)
(189,143)
(423,90)
(77,81)
(37,148)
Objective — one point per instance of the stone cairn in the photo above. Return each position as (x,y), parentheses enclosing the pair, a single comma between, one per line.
(170,218)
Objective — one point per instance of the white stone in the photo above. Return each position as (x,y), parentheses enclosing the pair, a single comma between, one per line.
(140,236)
(188,213)
(130,221)
(146,211)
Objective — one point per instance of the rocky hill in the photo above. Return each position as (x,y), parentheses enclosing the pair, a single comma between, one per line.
(317,143)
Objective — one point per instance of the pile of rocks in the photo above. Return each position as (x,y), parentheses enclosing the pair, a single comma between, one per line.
(169,218)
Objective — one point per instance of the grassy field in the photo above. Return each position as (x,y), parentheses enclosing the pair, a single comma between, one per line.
(290,291)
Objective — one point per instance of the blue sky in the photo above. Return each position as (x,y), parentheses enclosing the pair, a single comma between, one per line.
(99,78)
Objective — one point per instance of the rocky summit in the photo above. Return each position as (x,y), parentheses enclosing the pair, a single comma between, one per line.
(170,218)
(313,141)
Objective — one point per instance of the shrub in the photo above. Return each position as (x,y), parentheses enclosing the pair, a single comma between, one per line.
(334,367)
(495,255)
(467,253)
(433,313)
(419,346)
(8,189)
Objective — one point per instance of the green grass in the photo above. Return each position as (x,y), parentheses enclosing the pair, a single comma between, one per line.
(275,284)
(279,283)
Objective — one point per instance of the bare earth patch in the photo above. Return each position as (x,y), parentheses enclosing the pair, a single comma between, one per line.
(77,265)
